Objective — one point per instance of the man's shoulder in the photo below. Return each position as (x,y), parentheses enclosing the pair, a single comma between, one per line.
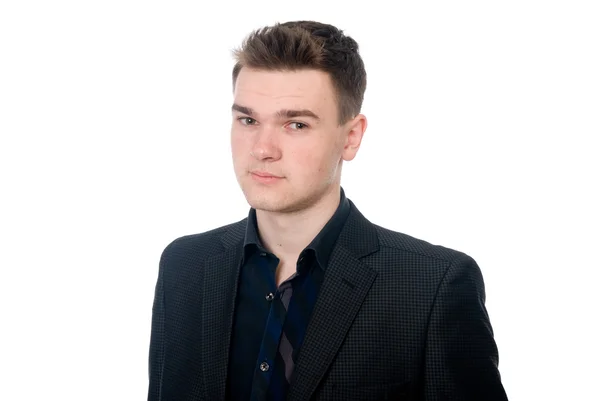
(401,242)
(205,243)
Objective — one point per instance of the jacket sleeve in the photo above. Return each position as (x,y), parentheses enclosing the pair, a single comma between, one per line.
(461,357)
(156,355)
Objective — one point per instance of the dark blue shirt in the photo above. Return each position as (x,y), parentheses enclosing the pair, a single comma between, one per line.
(262,324)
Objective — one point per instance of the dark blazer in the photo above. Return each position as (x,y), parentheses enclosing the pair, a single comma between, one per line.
(396,319)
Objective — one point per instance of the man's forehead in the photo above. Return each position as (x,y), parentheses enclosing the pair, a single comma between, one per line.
(261,99)
(271,91)
(283,84)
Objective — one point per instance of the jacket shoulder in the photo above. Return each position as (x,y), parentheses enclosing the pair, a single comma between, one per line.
(204,244)
(403,242)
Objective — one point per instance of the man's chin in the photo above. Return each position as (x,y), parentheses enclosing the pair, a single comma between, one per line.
(260,198)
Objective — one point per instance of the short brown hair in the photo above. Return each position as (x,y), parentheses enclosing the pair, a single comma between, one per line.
(299,45)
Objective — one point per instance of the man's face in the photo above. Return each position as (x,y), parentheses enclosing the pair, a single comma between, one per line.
(286,143)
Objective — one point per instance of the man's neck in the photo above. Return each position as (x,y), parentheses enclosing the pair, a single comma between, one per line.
(287,234)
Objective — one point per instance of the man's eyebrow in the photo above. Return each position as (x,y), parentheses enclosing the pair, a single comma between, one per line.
(242,109)
(285,113)
(297,113)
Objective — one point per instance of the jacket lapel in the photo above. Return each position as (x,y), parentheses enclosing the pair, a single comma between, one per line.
(346,284)
(219,292)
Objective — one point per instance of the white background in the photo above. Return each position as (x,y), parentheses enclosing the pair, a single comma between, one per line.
(114,119)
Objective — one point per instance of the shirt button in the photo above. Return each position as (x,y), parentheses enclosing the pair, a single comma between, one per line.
(263,254)
(270,296)
(264,366)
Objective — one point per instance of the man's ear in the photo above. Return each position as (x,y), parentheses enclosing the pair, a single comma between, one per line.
(355,129)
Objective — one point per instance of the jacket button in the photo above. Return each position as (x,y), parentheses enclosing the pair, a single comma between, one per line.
(264,366)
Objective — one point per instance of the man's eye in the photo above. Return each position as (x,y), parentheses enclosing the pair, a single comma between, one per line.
(247,120)
(297,126)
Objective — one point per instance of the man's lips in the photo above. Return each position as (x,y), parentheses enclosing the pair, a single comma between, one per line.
(264,174)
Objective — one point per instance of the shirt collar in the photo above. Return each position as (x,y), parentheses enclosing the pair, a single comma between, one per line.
(323,243)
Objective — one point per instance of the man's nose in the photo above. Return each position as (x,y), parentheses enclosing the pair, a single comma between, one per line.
(266,143)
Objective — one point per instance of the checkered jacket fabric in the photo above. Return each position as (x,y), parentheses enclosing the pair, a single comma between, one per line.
(397,318)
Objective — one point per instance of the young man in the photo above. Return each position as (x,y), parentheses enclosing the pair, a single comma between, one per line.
(305,299)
